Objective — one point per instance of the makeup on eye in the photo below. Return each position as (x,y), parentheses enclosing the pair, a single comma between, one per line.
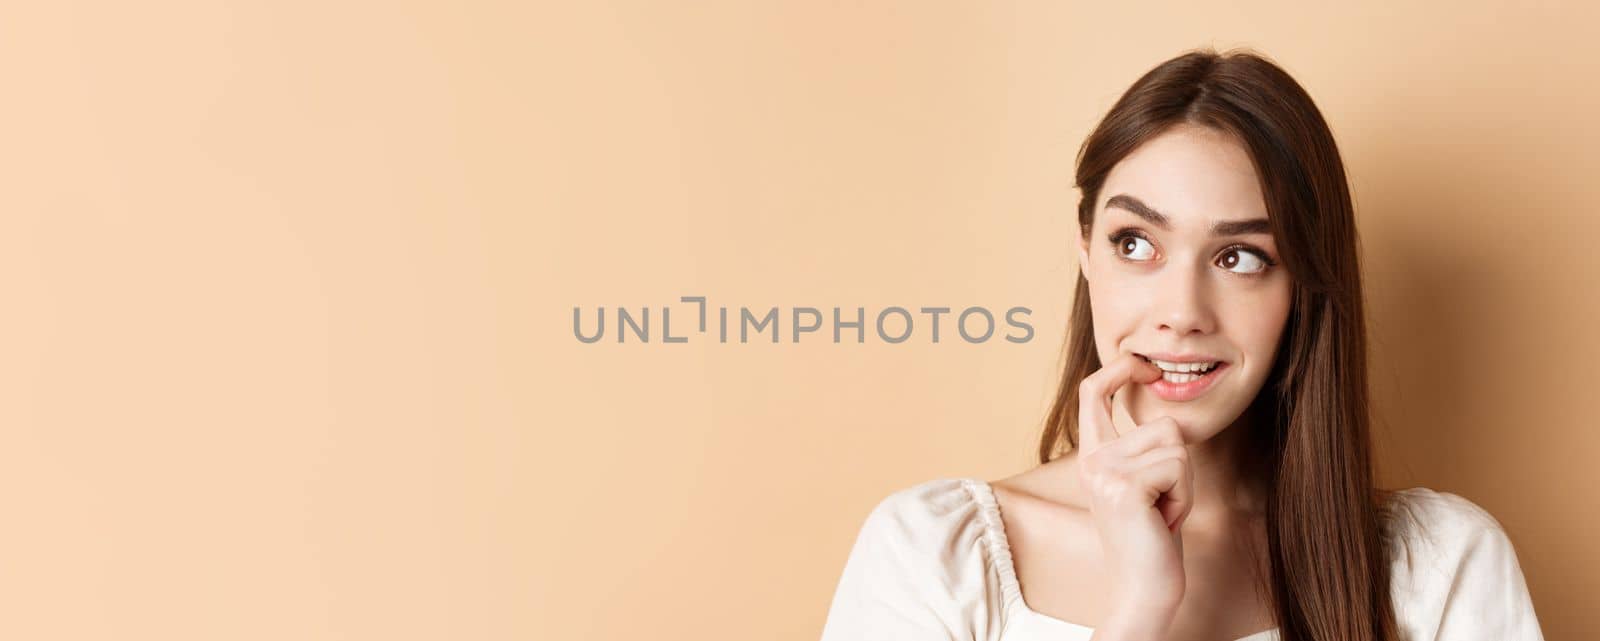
(1119,237)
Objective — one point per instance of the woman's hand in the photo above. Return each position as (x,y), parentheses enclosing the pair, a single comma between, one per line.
(1141,488)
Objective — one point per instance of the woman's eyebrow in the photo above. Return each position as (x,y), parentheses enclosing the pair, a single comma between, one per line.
(1219,228)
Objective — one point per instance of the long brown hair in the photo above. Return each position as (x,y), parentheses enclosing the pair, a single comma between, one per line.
(1309,444)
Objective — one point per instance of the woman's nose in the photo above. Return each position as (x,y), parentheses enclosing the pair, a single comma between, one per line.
(1182,303)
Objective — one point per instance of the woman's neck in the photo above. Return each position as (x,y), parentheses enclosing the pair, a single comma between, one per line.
(1227,494)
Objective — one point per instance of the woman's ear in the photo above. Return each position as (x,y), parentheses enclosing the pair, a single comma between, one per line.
(1083,257)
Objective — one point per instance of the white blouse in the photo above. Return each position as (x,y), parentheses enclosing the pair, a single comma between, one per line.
(932,562)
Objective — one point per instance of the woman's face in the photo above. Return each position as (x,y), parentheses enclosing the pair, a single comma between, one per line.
(1181,288)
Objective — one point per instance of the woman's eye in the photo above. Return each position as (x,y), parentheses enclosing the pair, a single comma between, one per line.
(1252,263)
(1131,244)
(1239,259)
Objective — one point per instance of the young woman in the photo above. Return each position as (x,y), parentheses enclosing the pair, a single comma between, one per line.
(1218,482)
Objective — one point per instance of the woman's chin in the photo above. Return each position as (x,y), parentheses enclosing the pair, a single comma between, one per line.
(1192,416)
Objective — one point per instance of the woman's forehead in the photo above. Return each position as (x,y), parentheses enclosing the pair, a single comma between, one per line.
(1192,176)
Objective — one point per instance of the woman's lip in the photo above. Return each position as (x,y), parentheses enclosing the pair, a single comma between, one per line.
(1180,392)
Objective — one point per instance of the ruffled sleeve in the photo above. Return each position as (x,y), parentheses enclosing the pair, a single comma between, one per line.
(1457,573)
(919,570)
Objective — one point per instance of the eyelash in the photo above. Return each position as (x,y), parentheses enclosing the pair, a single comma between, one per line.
(1120,235)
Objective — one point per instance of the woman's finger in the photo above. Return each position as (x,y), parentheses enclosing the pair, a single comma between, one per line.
(1168,484)
(1094,398)
(1163,431)
(1176,499)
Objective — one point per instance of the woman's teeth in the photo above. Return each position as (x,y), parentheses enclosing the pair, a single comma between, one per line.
(1179,379)
(1179,373)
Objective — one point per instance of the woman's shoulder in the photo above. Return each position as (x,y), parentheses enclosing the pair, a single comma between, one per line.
(1433,534)
(1456,570)
(927,514)
(1435,518)
(922,566)
(949,526)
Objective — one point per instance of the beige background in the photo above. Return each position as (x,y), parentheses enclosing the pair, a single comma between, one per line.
(288,349)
